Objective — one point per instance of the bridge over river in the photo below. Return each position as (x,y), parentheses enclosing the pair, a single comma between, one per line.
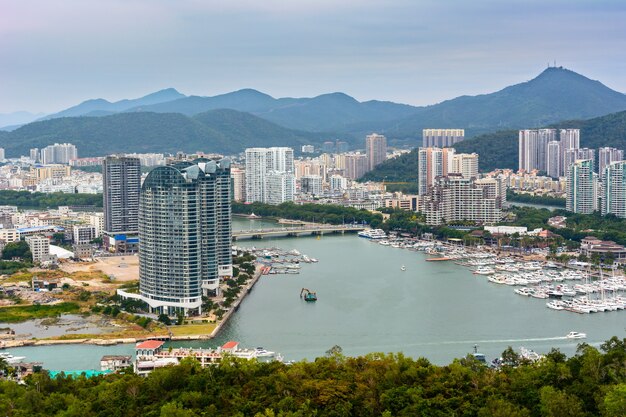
(297,231)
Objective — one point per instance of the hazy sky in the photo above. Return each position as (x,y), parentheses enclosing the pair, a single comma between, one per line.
(56,53)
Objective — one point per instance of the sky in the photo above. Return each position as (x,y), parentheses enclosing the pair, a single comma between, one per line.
(55,54)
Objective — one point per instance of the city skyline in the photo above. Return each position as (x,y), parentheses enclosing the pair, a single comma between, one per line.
(275,47)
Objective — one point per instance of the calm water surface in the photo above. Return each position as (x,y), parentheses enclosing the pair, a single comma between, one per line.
(367,304)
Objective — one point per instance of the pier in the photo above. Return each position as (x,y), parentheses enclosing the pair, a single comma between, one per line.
(297,231)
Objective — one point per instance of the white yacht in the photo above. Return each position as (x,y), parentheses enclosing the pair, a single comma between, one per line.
(263,353)
(373,234)
(403,268)
(10,359)
(576,335)
(555,305)
(484,270)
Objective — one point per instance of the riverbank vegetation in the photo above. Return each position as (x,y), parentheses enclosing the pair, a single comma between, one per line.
(578,227)
(535,199)
(591,383)
(26,199)
(16,314)
(320,213)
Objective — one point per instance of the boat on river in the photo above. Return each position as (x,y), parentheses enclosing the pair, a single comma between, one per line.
(576,335)
(373,234)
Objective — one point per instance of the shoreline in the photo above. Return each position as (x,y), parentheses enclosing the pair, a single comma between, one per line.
(7,344)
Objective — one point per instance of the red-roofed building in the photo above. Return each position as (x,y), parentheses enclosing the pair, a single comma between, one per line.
(148,347)
(230,346)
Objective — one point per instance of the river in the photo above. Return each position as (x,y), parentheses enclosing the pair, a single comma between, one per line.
(367,304)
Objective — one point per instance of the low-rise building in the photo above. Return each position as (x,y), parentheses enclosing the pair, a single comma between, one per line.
(83,234)
(592,245)
(39,247)
(115,363)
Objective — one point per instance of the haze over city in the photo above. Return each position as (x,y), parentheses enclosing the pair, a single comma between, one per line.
(415,52)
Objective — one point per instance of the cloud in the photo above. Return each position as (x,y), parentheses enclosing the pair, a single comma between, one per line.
(55,54)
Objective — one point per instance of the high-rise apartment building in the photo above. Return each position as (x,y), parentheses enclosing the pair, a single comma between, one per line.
(553,159)
(311,184)
(238,177)
(355,165)
(608,155)
(185,234)
(533,147)
(259,163)
(34,154)
(441,138)
(465,164)
(432,163)
(375,149)
(453,198)
(582,187)
(2,156)
(121,178)
(280,187)
(576,154)
(569,139)
(338,183)
(59,153)
(614,189)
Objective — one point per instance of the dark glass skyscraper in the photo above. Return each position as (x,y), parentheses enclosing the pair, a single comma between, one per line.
(121,178)
(184,234)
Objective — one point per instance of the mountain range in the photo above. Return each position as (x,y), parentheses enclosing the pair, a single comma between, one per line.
(556,94)
(223,131)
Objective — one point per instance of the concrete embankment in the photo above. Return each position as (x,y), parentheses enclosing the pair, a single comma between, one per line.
(53,342)
(244,293)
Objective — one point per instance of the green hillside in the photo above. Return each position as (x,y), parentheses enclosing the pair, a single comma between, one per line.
(555,95)
(590,383)
(500,149)
(224,131)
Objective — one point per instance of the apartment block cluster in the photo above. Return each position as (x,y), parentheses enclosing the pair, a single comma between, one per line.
(449,187)
(539,150)
(530,182)
(37,228)
(591,183)
(273,176)
(49,171)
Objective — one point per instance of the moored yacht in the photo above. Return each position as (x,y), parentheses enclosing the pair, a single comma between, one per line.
(373,234)
(484,270)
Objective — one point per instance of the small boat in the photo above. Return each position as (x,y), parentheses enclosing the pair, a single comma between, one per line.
(263,353)
(576,335)
(10,359)
(403,268)
(479,356)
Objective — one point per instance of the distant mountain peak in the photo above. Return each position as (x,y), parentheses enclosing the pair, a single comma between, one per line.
(167,93)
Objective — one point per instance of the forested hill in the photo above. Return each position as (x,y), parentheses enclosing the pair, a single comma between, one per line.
(500,149)
(224,131)
(591,383)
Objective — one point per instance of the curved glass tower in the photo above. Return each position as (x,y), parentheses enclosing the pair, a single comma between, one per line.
(184,234)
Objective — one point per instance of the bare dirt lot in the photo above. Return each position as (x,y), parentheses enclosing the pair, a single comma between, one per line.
(119,268)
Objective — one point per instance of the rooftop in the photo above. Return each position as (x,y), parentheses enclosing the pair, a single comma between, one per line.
(149,344)
(230,345)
